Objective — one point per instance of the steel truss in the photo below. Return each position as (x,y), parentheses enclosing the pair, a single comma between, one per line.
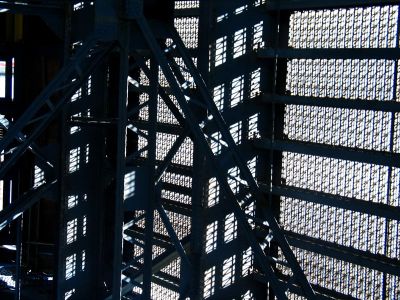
(115,61)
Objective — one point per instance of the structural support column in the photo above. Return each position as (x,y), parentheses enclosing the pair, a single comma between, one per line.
(120,164)
(152,192)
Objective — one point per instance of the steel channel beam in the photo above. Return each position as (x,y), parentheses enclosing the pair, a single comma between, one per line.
(187,12)
(174,168)
(359,104)
(199,186)
(166,276)
(224,251)
(138,233)
(234,291)
(174,237)
(331,53)
(120,167)
(337,152)
(322,293)
(151,166)
(18,259)
(177,207)
(236,67)
(170,155)
(23,203)
(240,112)
(160,127)
(176,188)
(162,93)
(353,204)
(316,4)
(165,283)
(234,22)
(362,258)
(48,9)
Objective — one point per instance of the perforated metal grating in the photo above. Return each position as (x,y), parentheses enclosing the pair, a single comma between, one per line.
(363,79)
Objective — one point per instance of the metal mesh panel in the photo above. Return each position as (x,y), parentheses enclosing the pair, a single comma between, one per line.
(339,127)
(188,30)
(186,4)
(337,177)
(371,27)
(352,79)
(341,276)
(158,292)
(362,79)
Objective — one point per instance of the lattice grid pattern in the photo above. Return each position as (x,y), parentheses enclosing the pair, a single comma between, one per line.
(363,79)
(178,189)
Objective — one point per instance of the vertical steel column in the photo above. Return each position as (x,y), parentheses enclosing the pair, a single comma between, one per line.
(18,259)
(9,74)
(273,80)
(120,171)
(200,177)
(150,166)
(61,207)
(120,160)
(391,150)
(277,118)
(62,170)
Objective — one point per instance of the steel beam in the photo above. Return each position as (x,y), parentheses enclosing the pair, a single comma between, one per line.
(162,92)
(236,290)
(160,127)
(240,112)
(236,67)
(360,104)
(47,8)
(338,152)
(174,237)
(139,234)
(366,207)
(120,165)
(42,161)
(330,53)
(316,4)
(322,293)
(153,77)
(186,12)
(177,207)
(366,259)
(25,202)
(170,155)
